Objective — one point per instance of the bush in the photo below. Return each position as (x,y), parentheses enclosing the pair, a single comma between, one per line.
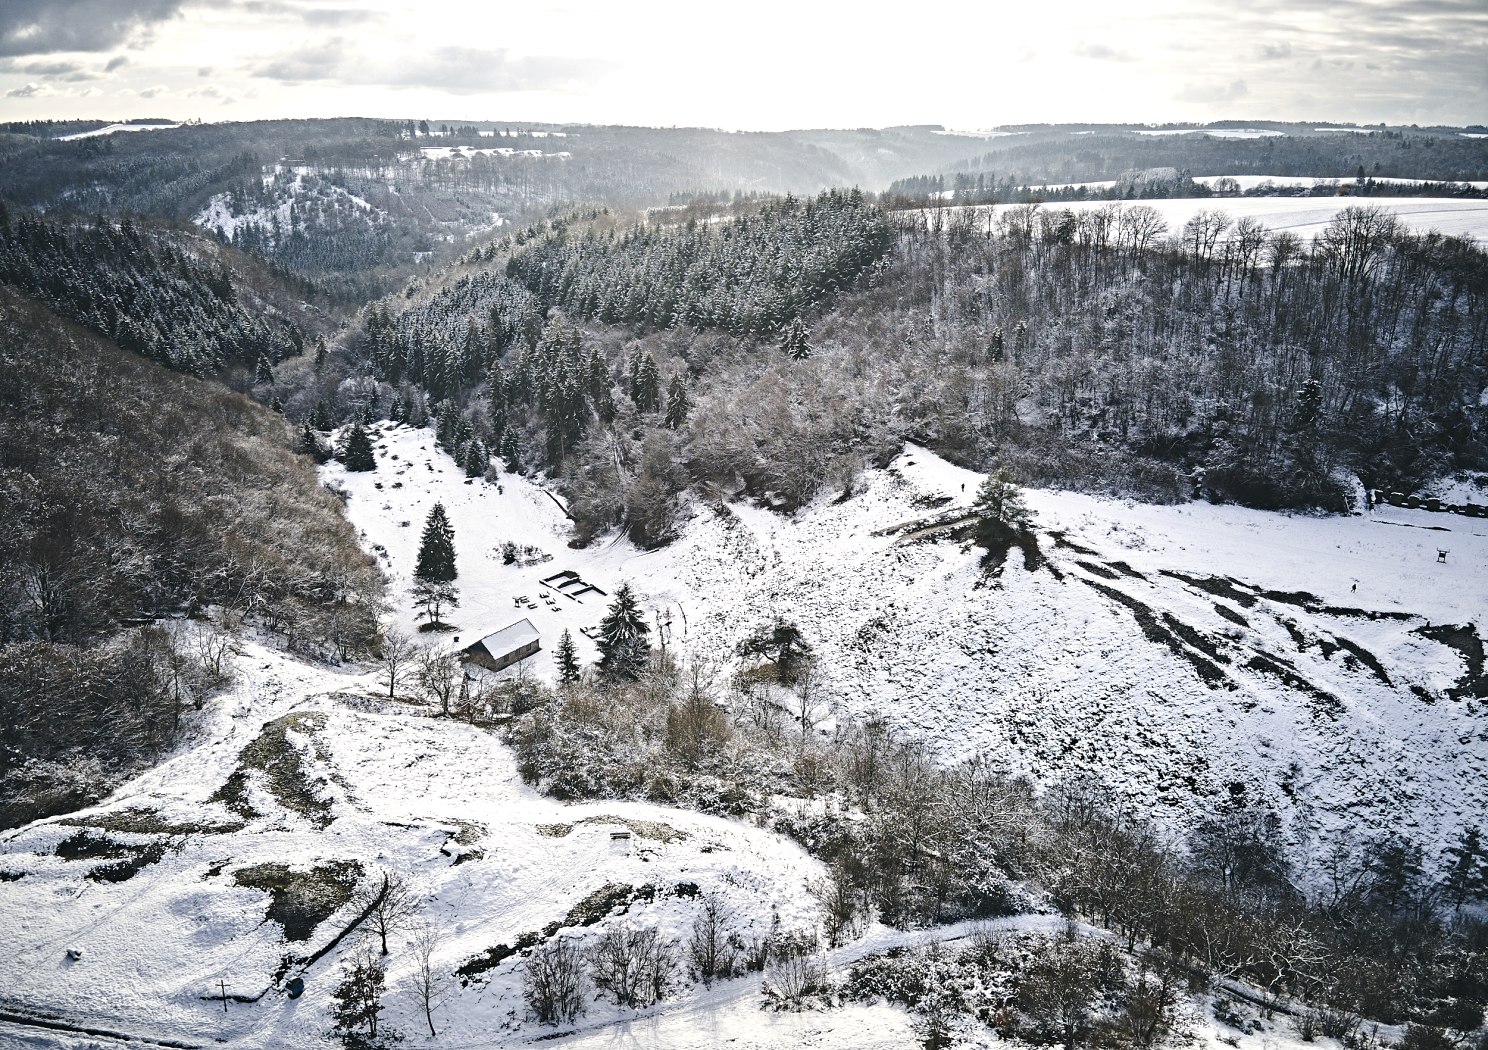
(633,964)
(553,982)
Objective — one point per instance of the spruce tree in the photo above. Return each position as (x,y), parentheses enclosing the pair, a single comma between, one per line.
(263,374)
(356,450)
(475,459)
(623,646)
(796,342)
(433,577)
(567,659)
(678,404)
(436,555)
(358,999)
(645,389)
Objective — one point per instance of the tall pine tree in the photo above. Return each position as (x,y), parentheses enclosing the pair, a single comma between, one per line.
(567,659)
(623,646)
(436,555)
(356,449)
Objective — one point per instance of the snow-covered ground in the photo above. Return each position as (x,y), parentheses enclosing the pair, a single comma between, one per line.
(1049,676)
(1309,216)
(112,128)
(1045,674)
(218,214)
(1250,182)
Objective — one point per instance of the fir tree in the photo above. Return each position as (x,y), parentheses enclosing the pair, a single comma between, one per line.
(796,341)
(356,450)
(358,999)
(1466,877)
(436,555)
(321,418)
(475,459)
(678,404)
(645,389)
(623,646)
(567,659)
(263,374)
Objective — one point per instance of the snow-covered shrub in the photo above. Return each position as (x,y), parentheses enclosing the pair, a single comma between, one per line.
(634,964)
(553,982)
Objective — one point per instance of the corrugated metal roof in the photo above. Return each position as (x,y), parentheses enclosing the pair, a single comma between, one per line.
(508,639)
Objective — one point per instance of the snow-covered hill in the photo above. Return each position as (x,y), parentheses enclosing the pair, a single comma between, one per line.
(299,773)
(1169,650)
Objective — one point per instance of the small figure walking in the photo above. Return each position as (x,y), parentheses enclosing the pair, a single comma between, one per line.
(1354,588)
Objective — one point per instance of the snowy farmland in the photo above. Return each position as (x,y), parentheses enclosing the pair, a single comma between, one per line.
(1305,216)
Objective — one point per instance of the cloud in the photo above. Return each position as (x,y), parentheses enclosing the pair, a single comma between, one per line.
(32,90)
(456,70)
(117,62)
(152,92)
(1215,93)
(1274,52)
(311,15)
(315,62)
(1101,53)
(42,27)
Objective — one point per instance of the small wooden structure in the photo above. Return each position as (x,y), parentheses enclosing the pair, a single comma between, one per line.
(1441,555)
(505,647)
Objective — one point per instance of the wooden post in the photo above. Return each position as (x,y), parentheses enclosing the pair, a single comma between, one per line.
(224,995)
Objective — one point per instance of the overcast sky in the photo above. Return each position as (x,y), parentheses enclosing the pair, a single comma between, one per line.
(768,64)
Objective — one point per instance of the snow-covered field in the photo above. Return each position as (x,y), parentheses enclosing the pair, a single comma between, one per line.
(1048,674)
(1309,216)
(112,128)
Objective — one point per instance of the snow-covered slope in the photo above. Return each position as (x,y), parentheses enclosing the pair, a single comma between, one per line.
(1049,671)
(1172,651)
(391,789)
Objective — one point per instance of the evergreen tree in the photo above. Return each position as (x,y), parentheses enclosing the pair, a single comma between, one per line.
(1466,877)
(511,453)
(447,430)
(567,659)
(796,340)
(623,646)
(263,374)
(475,459)
(358,999)
(1000,502)
(645,388)
(321,418)
(309,444)
(436,555)
(678,404)
(356,450)
(433,597)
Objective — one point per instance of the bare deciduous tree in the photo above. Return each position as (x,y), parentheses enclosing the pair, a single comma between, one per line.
(429,985)
(392,902)
(553,982)
(398,652)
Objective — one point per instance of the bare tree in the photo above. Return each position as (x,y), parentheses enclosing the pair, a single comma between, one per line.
(711,950)
(392,903)
(439,675)
(633,964)
(398,652)
(553,982)
(808,705)
(429,986)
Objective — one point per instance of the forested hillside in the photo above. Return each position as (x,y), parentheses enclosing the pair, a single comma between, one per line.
(165,295)
(776,353)
(133,498)
(1072,154)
